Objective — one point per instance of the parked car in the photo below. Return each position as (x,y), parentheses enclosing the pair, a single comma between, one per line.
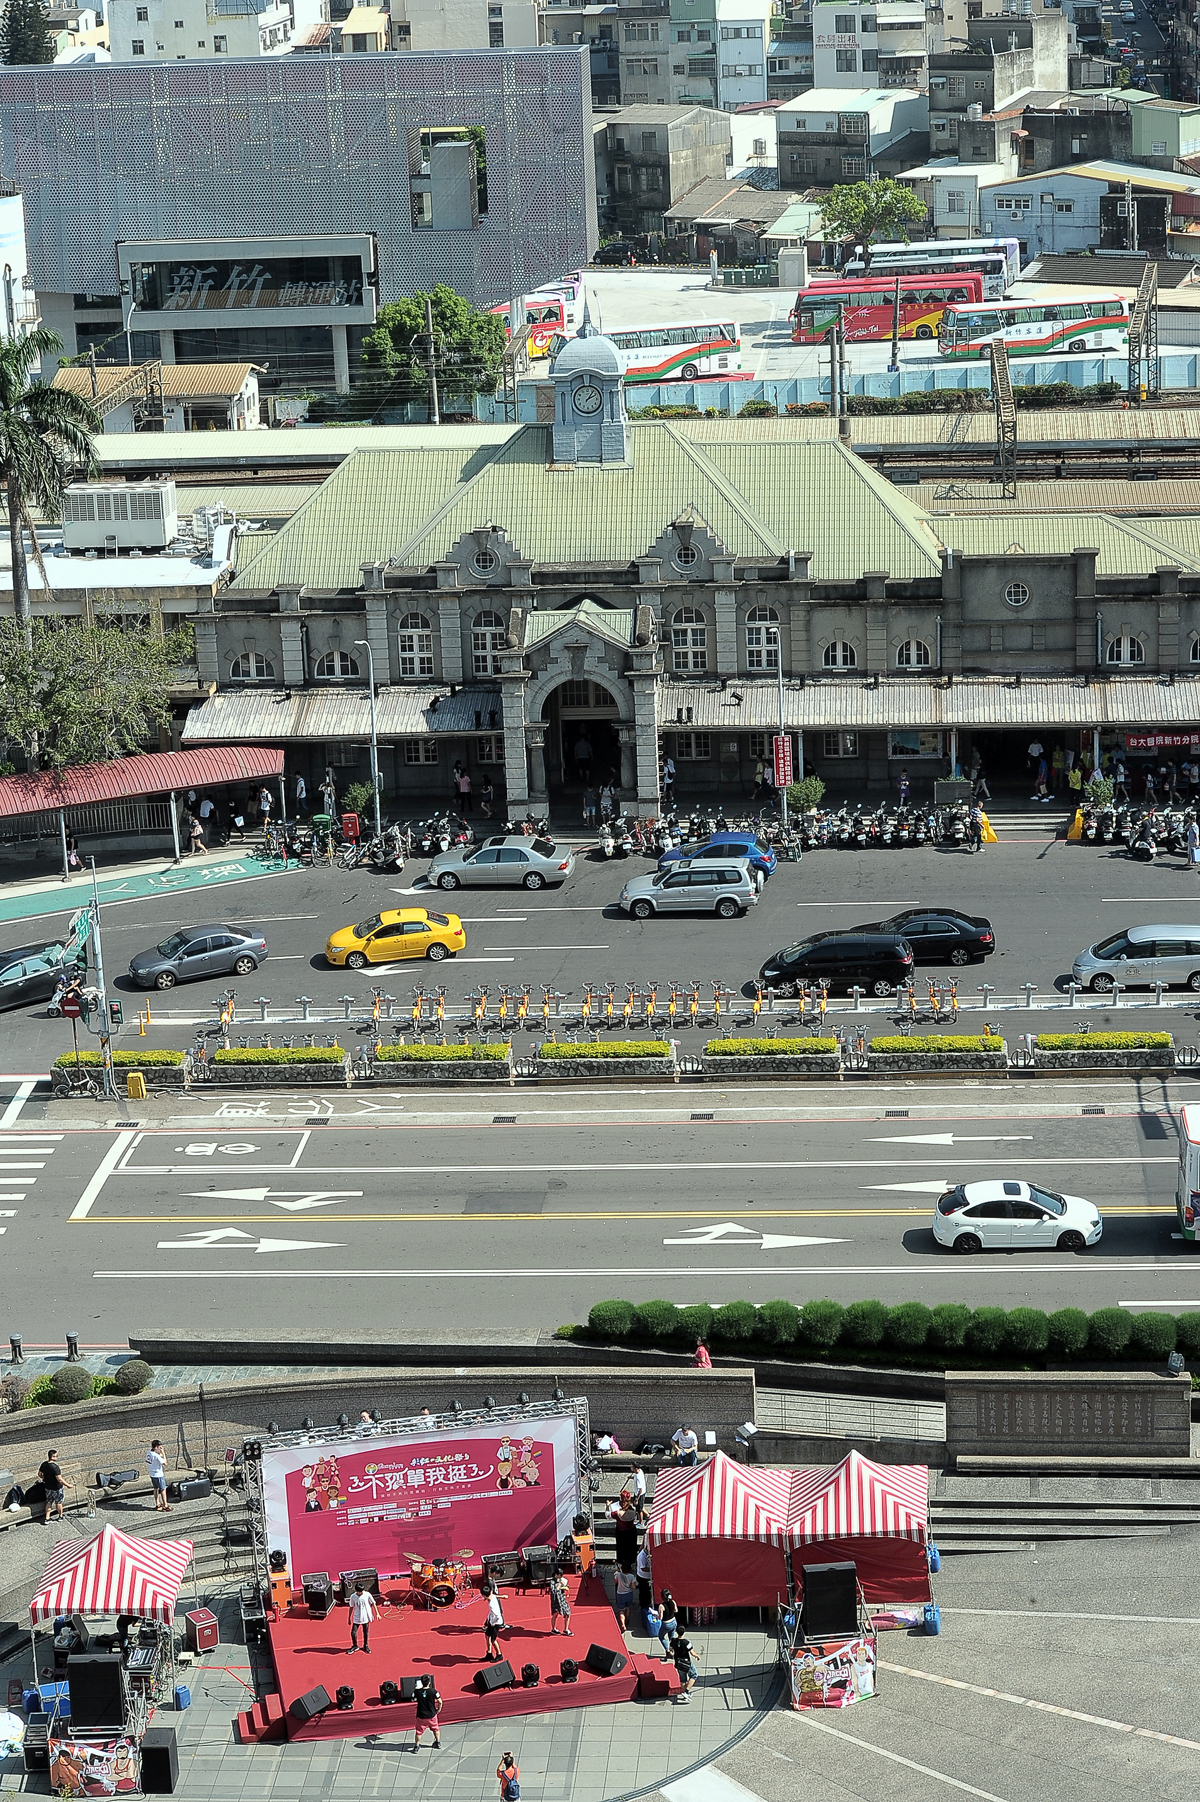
(1014,1216)
(939,935)
(726,890)
(1140,956)
(880,962)
(397,933)
(196,951)
(29,973)
(505,861)
(724,845)
(618,254)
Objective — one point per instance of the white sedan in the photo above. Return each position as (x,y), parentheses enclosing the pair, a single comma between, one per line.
(1012,1216)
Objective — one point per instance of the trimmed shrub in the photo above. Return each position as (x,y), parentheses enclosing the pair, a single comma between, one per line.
(779,1322)
(1102,1041)
(986,1331)
(1187,1334)
(124,1060)
(442,1054)
(908,1325)
(550,1048)
(948,1325)
(735,1320)
(1068,1332)
(655,1319)
(1109,1332)
(930,1043)
(864,1324)
(71,1383)
(40,1392)
(1153,1335)
(695,1322)
(611,1319)
(1028,1332)
(13,1390)
(133,1376)
(770,1047)
(821,1323)
(300,1054)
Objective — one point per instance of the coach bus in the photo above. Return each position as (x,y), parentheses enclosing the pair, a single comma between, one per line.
(998,260)
(547,315)
(868,306)
(676,352)
(1039,328)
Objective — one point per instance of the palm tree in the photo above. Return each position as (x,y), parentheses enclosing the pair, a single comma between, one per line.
(45,438)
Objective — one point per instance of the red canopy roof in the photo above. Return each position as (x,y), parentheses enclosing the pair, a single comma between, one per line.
(112,1574)
(128,778)
(858,1498)
(720,1500)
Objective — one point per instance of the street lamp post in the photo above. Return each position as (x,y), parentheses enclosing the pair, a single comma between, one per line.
(361,643)
(778,637)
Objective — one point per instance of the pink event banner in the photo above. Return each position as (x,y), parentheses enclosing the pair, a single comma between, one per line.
(377,1502)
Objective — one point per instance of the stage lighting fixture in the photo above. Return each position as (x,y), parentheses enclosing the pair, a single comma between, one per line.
(272,1426)
(489,1401)
(558,1395)
(345,1696)
(389,1691)
(278,1561)
(343,1421)
(457,1405)
(252,1449)
(523,1398)
(568,1670)
(531,1676)
(307,1423)
(376,1416)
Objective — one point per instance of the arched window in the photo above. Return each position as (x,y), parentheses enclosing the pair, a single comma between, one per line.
(689,640)
(414,642)
(1126,649)
(762,638)
(1195,654)
(839,655)
(913,654)
(487,642)
(335,666)
(251,666)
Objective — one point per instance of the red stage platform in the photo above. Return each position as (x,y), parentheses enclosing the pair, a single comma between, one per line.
(407,1641)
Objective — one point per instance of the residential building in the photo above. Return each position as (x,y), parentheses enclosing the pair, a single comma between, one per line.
(595,28)
(272,247)
(171,398)
(168,31)
(1086,206)
(1164,131)
(844,134)
(789,58)
(731,218)
(442,25)
(889,41)
(1004,58)
(952,190)
(694,53)
(649,157)
(755,138)
(743,33)
(644,51)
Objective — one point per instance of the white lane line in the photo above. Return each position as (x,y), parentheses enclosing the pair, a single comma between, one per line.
(42,1140)
(1160,1304)
(862,906)
(766,1273)
(12,1111)
(100,1175)
(493,919)
(1047,1614)
(1069,1714)
(11,1164)
(806,1716)
(540,948)
(289,957)
(487,960)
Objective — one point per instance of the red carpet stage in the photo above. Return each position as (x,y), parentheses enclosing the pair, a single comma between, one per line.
(408,1640)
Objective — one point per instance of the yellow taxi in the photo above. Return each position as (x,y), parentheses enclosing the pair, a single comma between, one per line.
(397,933)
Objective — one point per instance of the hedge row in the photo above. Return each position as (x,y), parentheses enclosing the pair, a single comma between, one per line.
(442,1054)
(943,1041)
(265,1054)
(124,1060)
(770,1047)
(871,1326)
(1102,1041)
(72,1383)
(613,1048)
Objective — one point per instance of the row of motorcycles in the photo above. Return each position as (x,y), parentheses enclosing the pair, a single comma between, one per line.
(1145,832)
(885,827)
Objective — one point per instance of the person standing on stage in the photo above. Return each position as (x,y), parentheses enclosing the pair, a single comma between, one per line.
(625,1588)
(494,1623)
(429,1713)
(362,1613)
(560,1604)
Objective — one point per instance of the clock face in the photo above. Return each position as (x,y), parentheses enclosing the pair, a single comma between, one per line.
(587,400)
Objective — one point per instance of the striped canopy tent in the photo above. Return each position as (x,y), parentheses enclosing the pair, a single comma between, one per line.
(112,1574)
(718,1534)
(875,1514)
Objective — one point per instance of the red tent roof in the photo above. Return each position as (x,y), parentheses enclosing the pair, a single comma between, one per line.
(112,1574)
(720,1500)
(859,1499)
(128,778)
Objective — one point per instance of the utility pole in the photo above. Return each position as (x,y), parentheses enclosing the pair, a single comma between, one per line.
(426,346)
(894,365)
(364,644)
(107,1078)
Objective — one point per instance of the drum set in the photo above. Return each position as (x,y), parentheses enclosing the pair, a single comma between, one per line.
(440,1583)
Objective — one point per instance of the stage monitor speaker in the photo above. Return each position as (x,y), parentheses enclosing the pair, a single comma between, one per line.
(96,1687)
(318,1593)
(539,1563)
(389,1692)
(408,1688)
(568,1670)
(160,1762)
(368,1578)
(503,1567)
(602,1662)
(531,1675)
(314,1701)
(345,1697)
(830,1600)
(195,1489)
(494,1676)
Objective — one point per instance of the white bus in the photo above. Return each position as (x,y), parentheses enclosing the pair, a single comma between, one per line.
(1086,321)
(998,260)
(666,353)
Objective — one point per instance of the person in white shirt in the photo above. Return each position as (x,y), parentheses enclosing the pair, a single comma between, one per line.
(494,1622)
(637,1490)
(157,1466)
(362,1613)
(366,1426)
(301,796)
(686,1444)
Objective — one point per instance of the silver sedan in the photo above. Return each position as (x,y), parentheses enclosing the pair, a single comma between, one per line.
(503,862)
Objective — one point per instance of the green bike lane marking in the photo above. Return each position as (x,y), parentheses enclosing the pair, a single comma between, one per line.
(145,885)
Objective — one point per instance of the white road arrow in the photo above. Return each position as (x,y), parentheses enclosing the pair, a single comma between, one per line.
(230,1238)
(957,1139)
(729,1232)
(304,1198)
(938,1188)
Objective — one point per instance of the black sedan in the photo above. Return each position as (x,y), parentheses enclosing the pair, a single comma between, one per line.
(939,935)
(29,973)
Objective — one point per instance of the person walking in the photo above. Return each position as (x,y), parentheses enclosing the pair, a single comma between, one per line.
(668,1621)
(509,1773)
(904,787)
(769,797)
(759,772)
(583,757)
(1058,769)
(683,1656)
(429,1713)
(494,1623)
(589,806)
(641,1571)
(638,1494)
(362,1613)
(669,781)
(301,798)
(156,1464)
(686,1444)
(1193,845)
(560,1604)
(1041,792)
(487,796)
(1120,792)
(264,806)
(607,799)
(976,828)
(196,836)
(625,1587)
(1151,787)
(982,792)
(51,1477)
(462,788)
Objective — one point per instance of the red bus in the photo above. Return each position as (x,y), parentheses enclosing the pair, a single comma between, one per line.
(869,302)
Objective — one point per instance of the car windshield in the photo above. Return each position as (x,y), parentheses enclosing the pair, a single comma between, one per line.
(660,876)
(801,946)
(174,945)
(545,847)
(1111,947)
(365,928)
(1048,1199)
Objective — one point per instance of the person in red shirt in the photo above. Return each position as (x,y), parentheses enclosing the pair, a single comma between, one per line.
(700,1357)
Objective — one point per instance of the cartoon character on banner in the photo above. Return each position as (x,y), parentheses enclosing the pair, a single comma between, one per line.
(527,1470)
(505,1459)
(322,1486)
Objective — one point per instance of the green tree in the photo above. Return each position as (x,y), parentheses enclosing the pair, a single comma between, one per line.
(73,693)
(25,33)
(470,350)
(45,441)
(866,210)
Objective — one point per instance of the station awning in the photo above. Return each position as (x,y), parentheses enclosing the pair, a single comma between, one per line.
(328,715)
(130,778)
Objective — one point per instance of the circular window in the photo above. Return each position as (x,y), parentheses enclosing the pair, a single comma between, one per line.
(686,556)
(486,560)
(1016,594)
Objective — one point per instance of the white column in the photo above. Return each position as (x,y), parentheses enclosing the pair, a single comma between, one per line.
(341,359)
(166,347)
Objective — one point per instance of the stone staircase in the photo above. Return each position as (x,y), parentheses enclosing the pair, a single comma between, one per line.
(1003,1514)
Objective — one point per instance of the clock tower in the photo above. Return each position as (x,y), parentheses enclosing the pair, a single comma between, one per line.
(590,424)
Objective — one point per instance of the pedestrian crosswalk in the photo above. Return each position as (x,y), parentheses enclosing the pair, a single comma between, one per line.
(22,1157)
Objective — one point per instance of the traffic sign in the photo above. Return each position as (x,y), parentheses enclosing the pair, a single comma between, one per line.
(781,746)
(70,1008)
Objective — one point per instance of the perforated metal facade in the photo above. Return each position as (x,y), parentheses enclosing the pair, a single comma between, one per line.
(300,145)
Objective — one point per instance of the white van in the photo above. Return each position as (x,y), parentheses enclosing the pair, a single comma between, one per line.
(1187,1181)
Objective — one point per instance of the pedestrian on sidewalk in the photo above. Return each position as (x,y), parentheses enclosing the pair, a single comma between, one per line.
(976,828)
(668,1621)
(1193,845)
(50,1473)
(487,796)
(624,1590)
(982,791)
(589,806)
(462,788)
(560,1604)
(641,1571)
(301,798)
(905,788)
(196,835)
(669,781)
(362,1613)
(509,1773)
(429,1713)
(683,1656)
(157,1466)
(494,1623)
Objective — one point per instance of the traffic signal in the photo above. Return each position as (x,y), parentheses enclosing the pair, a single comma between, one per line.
(116,1013)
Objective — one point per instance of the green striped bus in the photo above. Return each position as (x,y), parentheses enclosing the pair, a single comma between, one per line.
(1038,328)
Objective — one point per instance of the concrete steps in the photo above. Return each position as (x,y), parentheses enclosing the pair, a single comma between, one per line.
(975,1513)
(263,1722)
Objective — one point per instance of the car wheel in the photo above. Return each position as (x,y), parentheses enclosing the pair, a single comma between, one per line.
(1077,344)
(689,372)
(785,990)
(436,953)
(1071,1242)
(967,1244)
(1102,984)
(883,987)
(727,909)
(960,955)
(245,966)
(641,910)
(356,961)
(448,879)
(165,979)
(1194,981)
(533,880)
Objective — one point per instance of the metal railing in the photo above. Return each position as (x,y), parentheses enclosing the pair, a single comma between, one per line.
(106,819)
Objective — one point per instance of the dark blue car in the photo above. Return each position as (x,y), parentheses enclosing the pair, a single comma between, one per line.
(725,844)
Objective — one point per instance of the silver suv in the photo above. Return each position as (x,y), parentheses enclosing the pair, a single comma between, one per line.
(725,890)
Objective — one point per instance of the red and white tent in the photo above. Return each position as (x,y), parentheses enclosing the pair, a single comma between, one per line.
(718,1534)
(876,1514)
(112,1574)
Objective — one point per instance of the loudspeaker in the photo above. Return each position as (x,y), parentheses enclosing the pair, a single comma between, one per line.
(503,1567)
(316,1701)
(539,1563)
(194,1489)
(368,1578)
(389,1692)
(568,1670)
(96,1687)
(604,1663)
(408,1688)
(531,1675)
(318,1593)
(830,1600)
(160,1762)
(494,1676)
(345,1696)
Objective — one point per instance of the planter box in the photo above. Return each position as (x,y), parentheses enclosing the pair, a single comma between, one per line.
(1152,1057)
(273,1076)
(436,1075)
(588,1069)
(945,1063)
(820,1064)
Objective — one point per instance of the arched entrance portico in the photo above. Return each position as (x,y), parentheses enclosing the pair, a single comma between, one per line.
(583,740)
